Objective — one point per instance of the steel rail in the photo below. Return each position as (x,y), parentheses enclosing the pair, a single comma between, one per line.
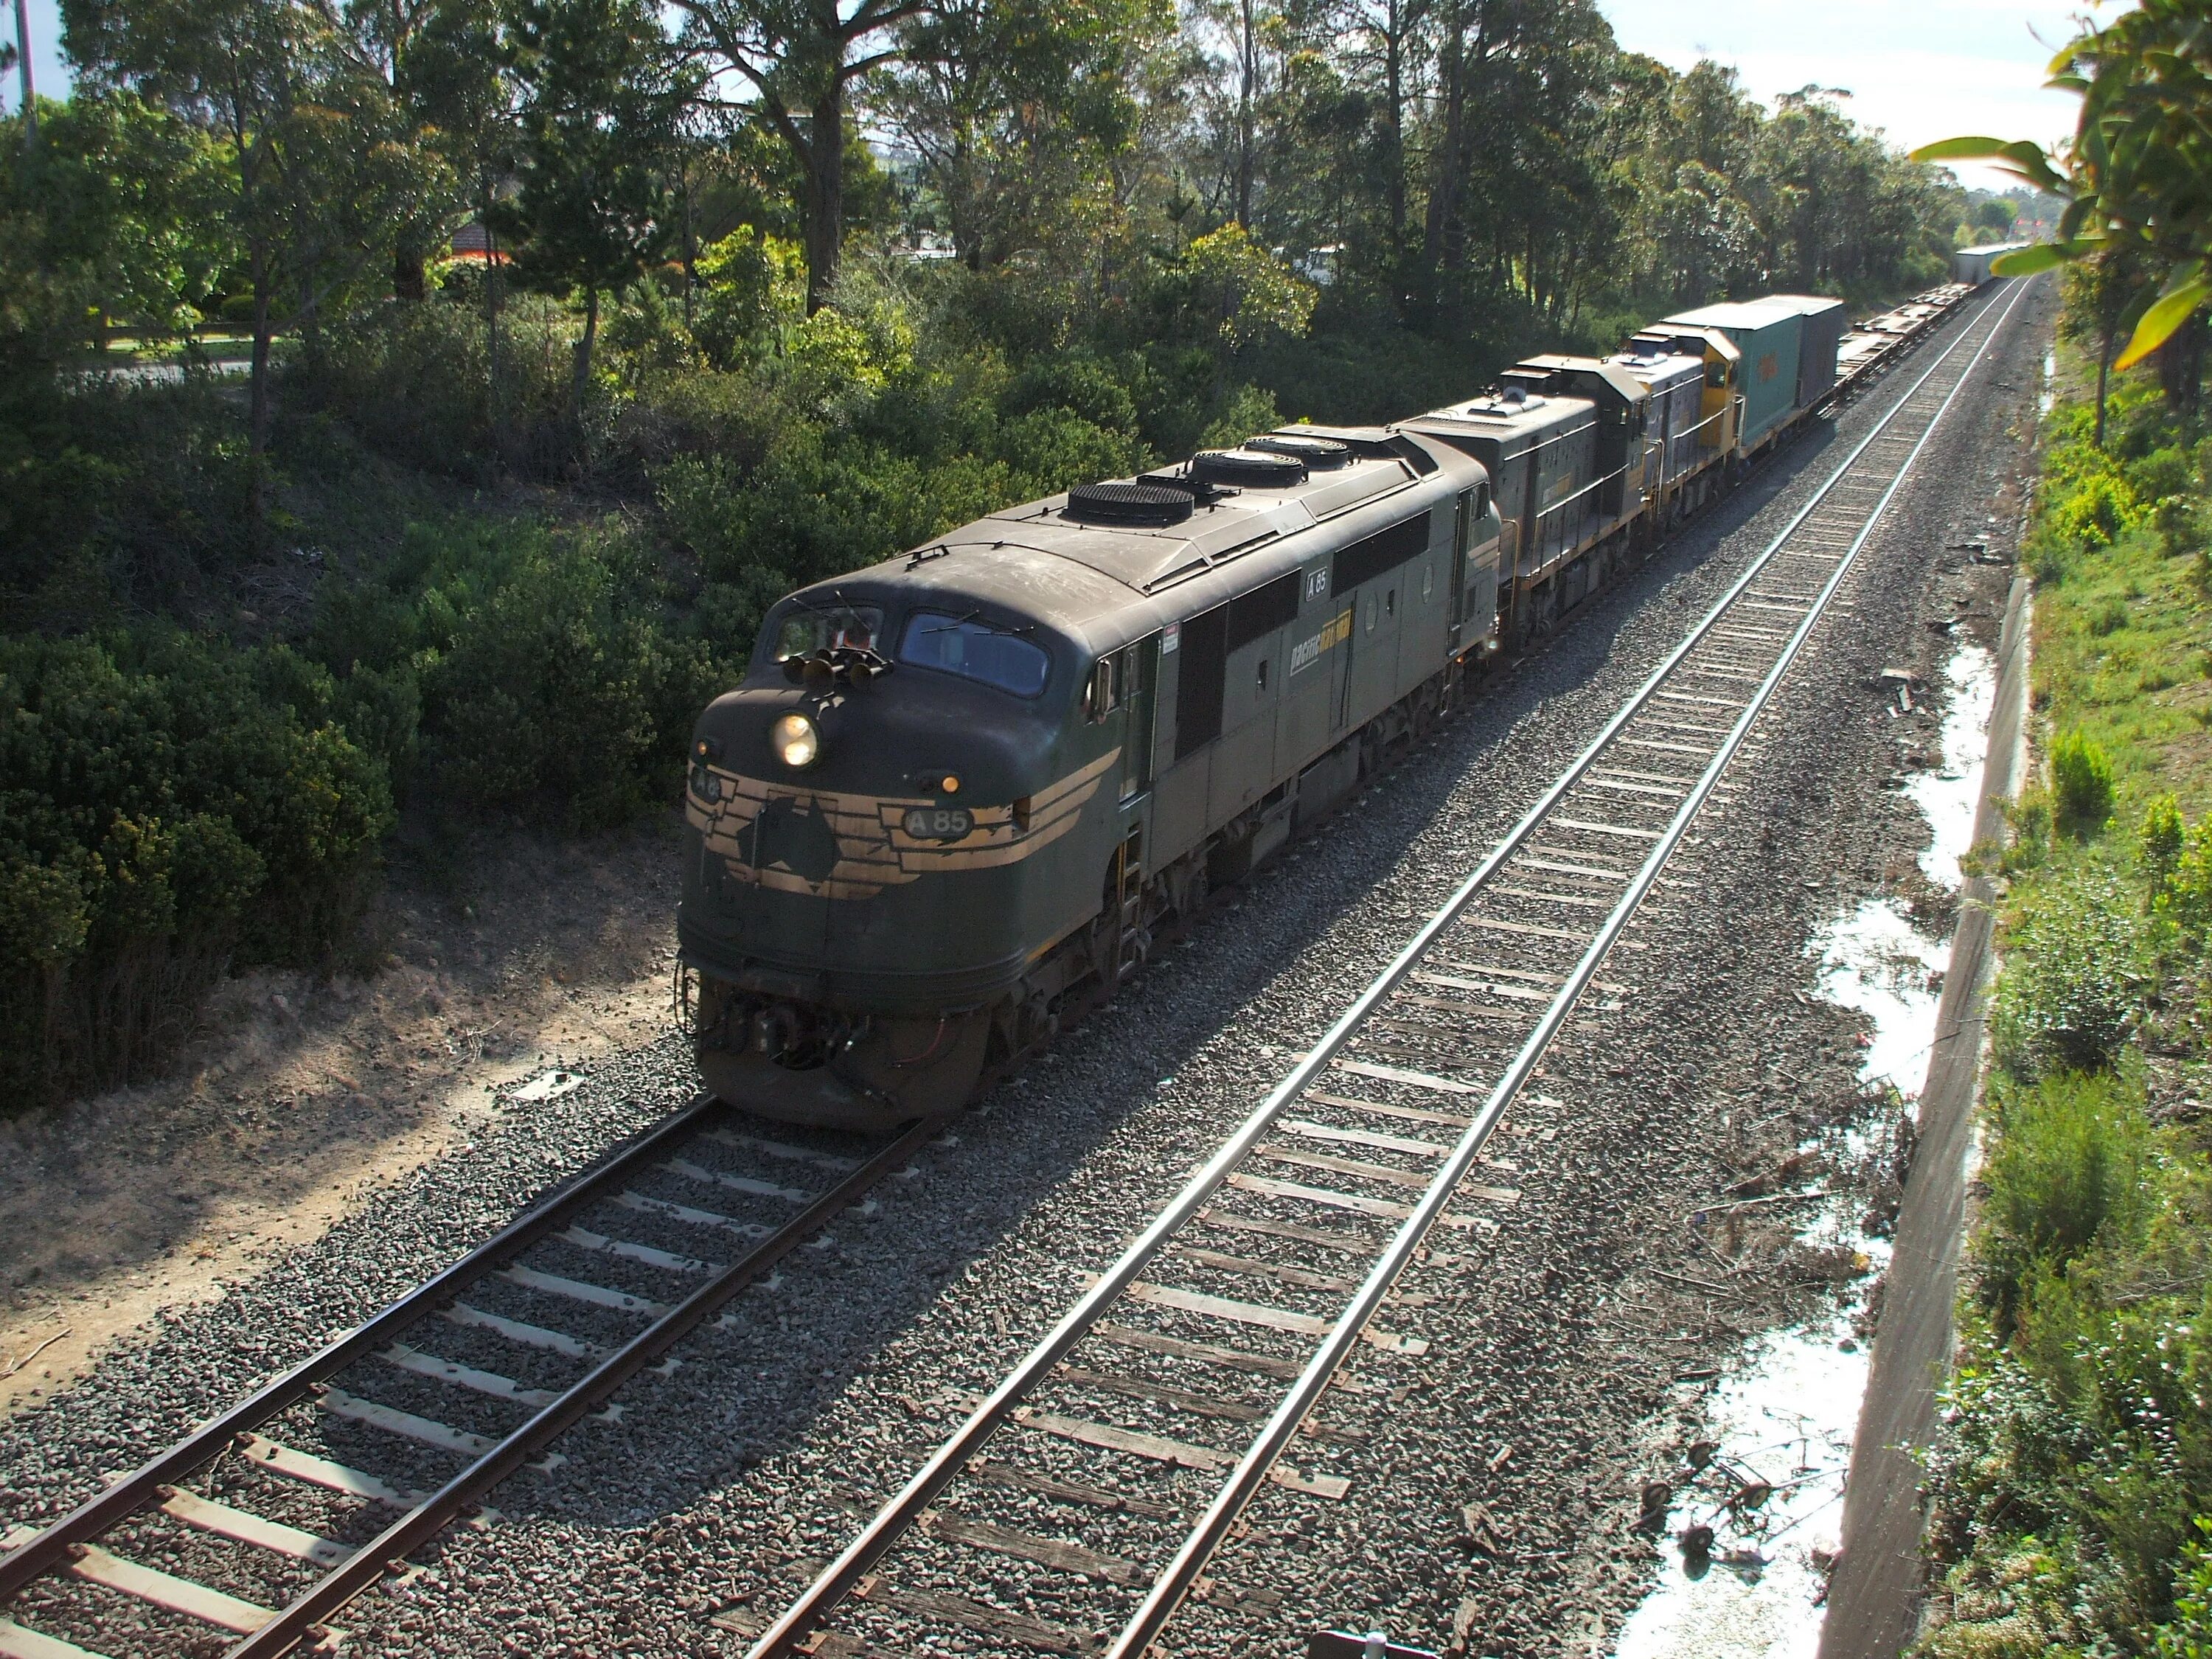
(40,1554)
(1199,1545)
(897,1517)
(301,1617)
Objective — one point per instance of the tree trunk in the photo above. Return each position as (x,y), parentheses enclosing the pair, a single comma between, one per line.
(1248,54)
(691,258)
(1447,243)
(494,399)
(2104,372)
(23,72)
(410,281)
(257,424)
(582,384)
(824,167)
(1394,130)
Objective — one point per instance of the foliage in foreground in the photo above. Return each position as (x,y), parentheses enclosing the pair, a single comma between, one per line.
(2073,1490)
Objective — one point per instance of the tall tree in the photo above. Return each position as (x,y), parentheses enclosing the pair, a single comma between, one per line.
(308,135)
(593,208)
(800,60)
(1014,107)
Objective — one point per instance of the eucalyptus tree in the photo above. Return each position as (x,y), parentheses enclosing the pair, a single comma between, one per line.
(315,158)
(1014,107)
(798,62)
(593,206)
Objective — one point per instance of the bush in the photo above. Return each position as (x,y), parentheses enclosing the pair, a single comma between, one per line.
(545,671)
(2185,892)
(115,497)
(167,810)
(415,382)
(2077,967)
(2068,1158)
(2081,784)
(2158,842)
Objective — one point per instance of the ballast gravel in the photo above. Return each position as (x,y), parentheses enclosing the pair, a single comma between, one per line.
(1495,1483)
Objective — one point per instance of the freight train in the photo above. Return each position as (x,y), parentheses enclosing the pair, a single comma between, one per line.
(959,795)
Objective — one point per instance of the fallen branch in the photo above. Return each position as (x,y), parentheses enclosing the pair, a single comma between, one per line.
(1768,1198)
(1701,1284)
(36,1352)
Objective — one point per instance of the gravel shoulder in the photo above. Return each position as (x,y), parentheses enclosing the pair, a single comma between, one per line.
(302,1099)
(1565,1366)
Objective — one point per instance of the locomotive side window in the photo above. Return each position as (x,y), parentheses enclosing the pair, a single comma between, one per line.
(975,650)
(807,629)
(1385,549)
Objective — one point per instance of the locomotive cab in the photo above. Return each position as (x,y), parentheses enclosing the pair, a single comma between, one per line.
(873,815)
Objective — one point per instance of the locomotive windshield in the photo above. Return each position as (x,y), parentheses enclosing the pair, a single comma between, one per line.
(975,650)
(808,630)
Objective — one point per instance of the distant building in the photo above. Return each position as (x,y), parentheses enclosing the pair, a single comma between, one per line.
(473,242)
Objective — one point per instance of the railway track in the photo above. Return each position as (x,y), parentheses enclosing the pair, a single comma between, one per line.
(267,1519)
(1081,1501)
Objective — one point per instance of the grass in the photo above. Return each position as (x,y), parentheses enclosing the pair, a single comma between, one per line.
(2073,1488)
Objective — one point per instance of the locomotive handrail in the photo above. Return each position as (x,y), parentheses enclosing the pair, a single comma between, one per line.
(903,1510)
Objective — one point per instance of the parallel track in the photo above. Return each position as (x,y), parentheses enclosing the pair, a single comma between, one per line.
(582,1338)
(1124,1446)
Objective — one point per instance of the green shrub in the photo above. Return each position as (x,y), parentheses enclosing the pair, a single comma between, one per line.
(167,810)
(2188,1635)
(2069,1158)
(2094,513)
(115,497)
(415,382)
(538,666)
(2159,841)
(2076,966)
(2081,784)
(2185,892)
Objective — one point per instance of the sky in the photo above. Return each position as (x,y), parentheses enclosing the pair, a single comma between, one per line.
(1920,69)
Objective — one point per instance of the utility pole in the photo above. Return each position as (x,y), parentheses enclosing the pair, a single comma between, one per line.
(23,67)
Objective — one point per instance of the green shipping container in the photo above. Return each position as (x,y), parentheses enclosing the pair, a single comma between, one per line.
(1771,339)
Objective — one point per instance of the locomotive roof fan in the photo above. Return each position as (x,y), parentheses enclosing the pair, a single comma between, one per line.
(1319,454)
(1250,466)
(1151,504)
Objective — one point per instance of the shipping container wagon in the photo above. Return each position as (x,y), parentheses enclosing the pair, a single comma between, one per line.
(1825,321)
(1971,265)
(1770,340)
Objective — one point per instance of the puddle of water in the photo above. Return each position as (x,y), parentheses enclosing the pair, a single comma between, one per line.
(2049,396)
(1946,795)
(1784,1422)
(1785,1415)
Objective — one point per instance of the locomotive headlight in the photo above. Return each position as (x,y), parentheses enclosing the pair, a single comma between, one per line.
(795,739)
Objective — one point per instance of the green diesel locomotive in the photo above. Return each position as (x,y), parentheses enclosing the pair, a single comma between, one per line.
(959,794)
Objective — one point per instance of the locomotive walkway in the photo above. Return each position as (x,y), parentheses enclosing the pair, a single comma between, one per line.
(1270,1269)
